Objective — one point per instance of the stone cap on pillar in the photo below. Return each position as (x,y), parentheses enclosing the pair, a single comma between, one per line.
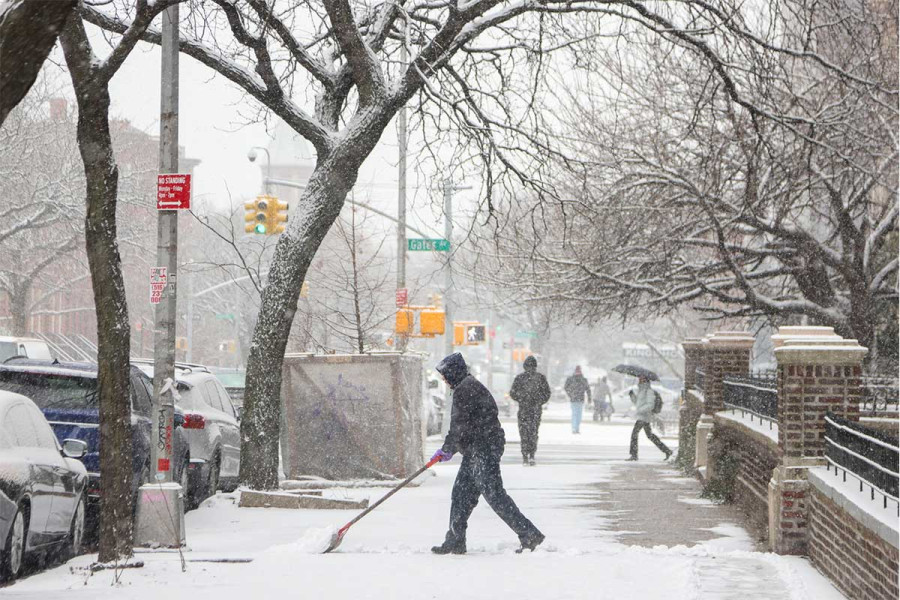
(691,343)
(812,333)
(731,339)
(820,350)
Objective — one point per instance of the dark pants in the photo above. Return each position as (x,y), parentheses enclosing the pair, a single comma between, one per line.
(479,475)
(650,436)
(529,423)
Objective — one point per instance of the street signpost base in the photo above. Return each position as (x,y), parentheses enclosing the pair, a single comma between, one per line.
(160,516)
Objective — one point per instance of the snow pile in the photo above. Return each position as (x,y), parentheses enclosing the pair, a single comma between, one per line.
(313,541)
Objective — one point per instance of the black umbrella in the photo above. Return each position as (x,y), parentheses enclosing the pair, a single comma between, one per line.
(636,371)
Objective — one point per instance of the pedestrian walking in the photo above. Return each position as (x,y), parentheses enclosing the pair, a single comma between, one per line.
(603,402)
(577,388)
(476,433)
(531,391)
(645,402)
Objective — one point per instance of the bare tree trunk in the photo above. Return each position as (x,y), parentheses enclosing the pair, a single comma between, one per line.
(18,306)
(113,331)
(360,338)
(319,207)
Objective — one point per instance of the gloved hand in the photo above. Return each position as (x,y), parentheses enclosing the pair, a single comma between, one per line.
(442,456)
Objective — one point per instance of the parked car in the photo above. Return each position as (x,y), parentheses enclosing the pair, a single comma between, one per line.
(67,394)
(27,347)
(212,428)
(42,486)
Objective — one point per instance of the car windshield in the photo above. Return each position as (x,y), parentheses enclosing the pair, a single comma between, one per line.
(52,391)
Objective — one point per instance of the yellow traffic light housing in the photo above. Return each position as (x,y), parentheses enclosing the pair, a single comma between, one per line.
(431,322)
(405,321)
(256,215)
(276,216)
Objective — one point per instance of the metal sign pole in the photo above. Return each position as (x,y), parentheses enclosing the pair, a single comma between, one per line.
(160,514)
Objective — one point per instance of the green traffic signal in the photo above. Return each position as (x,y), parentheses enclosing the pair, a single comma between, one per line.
(260,228)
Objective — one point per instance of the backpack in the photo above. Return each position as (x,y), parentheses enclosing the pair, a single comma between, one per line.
(657,403)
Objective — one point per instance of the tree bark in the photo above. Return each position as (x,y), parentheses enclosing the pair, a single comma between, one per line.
(113,331)
(28,31)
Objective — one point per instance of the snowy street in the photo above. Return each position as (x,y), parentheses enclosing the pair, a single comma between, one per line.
(581,494)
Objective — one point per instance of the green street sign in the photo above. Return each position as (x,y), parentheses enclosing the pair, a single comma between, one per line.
(526,334)
(225,316)
(418,244)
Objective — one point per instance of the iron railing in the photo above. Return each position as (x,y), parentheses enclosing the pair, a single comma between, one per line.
(872,456)
(755,395)
(880,396)
(699,379)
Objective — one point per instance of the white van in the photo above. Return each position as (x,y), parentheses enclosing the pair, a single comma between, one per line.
(28,347)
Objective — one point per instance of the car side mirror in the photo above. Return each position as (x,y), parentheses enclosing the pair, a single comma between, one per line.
(432,384)
(74,448)
(238,412)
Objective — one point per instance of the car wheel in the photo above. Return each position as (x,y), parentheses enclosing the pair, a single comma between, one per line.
(14,549)
(212,482)
(76,531)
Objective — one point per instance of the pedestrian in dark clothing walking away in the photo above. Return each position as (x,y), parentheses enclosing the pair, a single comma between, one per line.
(476,433)
(577,388)
(646,402)
(531,391)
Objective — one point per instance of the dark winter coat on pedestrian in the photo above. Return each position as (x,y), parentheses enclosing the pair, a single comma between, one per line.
(530,389)
(473,419)
(577,388)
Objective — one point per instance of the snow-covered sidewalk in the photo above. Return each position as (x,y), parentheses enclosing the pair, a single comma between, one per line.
(387,554)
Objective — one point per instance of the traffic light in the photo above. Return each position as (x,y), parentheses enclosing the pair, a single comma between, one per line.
(265,216)
(181,343)
(406,320)
(256,215)
(276,216)
(431,322)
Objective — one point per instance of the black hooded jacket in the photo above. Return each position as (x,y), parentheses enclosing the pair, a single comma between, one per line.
(530,389)
(473,419)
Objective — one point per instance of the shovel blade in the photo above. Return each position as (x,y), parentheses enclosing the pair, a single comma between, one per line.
(336,540)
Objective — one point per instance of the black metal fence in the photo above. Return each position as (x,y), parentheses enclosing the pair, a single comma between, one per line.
(880,396)
(873,456)
(699,379)
(756,395)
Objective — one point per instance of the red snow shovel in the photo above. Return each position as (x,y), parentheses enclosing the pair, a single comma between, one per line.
(339,536)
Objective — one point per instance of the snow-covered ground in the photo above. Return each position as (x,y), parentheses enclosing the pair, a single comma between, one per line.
(387,554)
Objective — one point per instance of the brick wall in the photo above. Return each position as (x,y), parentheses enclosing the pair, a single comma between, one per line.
(805,394)
(856,559)
(743,463)
(721,359)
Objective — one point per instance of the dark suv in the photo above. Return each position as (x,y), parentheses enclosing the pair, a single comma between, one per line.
(67,394)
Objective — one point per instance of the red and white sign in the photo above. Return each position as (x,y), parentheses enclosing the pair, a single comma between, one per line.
(173,191)
(158,280)
(402,297)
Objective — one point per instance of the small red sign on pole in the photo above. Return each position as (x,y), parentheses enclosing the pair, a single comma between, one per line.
(173,191)
(402,297)
(162,464)
(158,279)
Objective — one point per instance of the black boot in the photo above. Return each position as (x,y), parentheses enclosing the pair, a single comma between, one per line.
(450,548)
(530,542)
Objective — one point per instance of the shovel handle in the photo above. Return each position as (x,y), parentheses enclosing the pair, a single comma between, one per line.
(393,491)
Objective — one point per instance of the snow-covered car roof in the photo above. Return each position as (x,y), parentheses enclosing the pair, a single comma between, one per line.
(10,398)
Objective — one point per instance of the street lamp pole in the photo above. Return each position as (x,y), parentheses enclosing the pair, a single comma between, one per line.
(449,308)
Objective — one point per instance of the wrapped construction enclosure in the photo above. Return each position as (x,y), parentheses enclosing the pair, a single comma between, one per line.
(351,416)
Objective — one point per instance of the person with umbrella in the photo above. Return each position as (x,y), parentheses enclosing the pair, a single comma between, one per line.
(646,401)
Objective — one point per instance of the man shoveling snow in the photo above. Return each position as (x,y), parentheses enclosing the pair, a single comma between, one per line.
(476,433)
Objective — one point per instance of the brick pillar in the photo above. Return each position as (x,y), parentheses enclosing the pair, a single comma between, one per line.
(727,353)
(818,372)
(692,352)
(723,353)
